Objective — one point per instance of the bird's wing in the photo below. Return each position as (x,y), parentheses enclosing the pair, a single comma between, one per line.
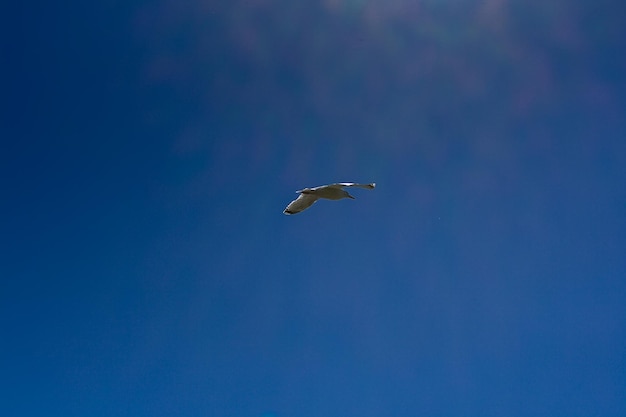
(370,186)
(303,202)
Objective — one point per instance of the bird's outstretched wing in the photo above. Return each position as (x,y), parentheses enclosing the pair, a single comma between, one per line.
(303,202)
(370,186)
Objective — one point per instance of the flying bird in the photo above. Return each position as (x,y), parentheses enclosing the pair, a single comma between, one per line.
(308,196)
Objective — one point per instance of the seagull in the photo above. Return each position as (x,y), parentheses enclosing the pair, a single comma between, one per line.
(308,196)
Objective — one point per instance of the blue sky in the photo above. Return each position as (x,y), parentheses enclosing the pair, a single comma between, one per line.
(149,148)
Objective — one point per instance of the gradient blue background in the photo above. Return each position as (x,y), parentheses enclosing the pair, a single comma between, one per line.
(149,148)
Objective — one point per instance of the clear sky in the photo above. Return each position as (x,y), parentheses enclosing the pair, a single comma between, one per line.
(148,149)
